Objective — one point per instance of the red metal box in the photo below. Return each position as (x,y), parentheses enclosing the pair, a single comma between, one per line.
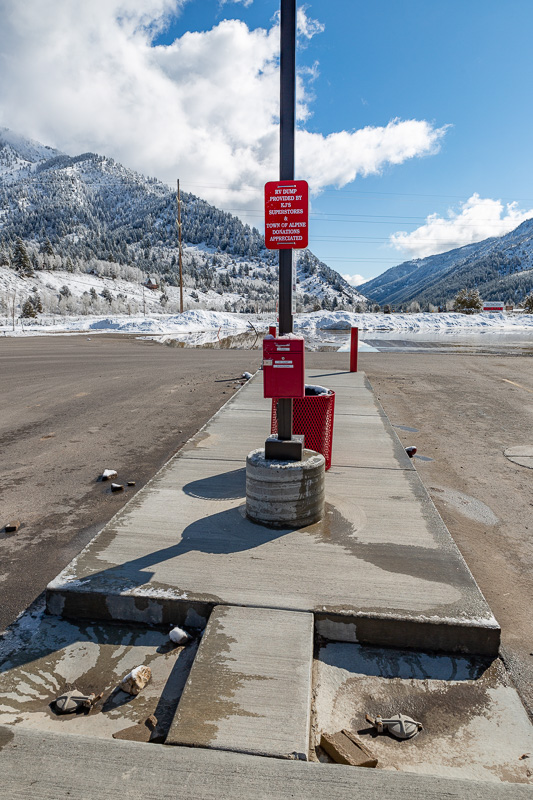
(283,367)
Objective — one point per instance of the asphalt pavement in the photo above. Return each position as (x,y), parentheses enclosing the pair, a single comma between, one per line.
(72,406)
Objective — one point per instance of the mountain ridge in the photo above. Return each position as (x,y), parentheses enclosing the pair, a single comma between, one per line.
(91,213)
(500,267)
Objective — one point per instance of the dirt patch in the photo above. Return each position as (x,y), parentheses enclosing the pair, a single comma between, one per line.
(468,410)
(108,402)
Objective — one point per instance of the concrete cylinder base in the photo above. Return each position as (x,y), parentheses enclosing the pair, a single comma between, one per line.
(285,494)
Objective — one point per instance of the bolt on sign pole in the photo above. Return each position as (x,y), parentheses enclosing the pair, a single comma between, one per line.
(178,196)
(286,173)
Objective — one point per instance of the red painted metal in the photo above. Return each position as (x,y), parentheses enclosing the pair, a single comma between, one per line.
(354,348)
(283,367)
(286,215)
(272,330)
(312,417)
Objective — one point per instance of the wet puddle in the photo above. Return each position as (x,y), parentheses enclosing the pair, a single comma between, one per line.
(511,343)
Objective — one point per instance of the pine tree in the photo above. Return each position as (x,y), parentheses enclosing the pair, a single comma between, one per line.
(28,311)
(47,248)
(528,304)
(467,301)
(21,261)
(35,300)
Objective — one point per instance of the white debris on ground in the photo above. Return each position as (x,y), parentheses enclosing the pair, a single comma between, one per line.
(246,376)
(178,635)
(136,680)
(109,473)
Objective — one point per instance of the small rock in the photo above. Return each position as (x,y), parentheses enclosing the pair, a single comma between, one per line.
(12,527)
(345,748)
(107,474)
(151,722)
(178,635)
(136,680)
(131,483)
(117,487)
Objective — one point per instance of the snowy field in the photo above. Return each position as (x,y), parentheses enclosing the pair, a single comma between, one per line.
(197,328)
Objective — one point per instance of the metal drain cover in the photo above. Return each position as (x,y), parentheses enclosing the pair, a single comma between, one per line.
(521,455)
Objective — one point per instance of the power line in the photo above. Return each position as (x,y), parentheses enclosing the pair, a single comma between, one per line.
(373,219)
(362,192)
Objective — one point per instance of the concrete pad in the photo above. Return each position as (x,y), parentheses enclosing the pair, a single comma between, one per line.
(337,379)
(249,690)
(92,658)
(475,726)
(368,441)
(379,568)
(48,767)
(355,395)
(359,440)
(230,436)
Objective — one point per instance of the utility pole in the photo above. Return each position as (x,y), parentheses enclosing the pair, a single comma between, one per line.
(286,173)
(179,247)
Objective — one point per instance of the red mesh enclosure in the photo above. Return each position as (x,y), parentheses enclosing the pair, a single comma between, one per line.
(313,417)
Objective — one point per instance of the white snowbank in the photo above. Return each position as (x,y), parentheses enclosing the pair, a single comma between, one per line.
(161,324)
(169,326)
(429,323)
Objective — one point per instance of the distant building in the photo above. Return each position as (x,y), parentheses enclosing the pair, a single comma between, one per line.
(151,283)
(494,305)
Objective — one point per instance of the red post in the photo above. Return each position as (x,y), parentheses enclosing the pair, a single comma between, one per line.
(272,330)
(354,347)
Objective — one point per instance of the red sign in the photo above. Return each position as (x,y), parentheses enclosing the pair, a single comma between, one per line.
(286,215)
(283,367)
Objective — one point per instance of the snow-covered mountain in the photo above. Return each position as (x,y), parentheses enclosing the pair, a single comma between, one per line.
(89,220)
(500,267)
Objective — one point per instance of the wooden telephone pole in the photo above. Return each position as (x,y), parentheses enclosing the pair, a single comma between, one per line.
(179,247)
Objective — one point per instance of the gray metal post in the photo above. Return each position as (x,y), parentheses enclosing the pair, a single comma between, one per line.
(286,173)
(286,146)
(286,446)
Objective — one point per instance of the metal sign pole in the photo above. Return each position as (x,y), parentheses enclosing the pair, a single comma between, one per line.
(286,173)
(180,248)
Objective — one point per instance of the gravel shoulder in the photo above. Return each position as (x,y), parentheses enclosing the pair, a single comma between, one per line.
(72,406)
(468,409)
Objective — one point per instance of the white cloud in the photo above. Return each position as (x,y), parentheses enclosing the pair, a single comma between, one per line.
(355,280)
(479,218)
(245,3)
(85,76)
(306,26)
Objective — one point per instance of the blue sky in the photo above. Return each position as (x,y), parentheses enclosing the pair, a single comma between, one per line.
(197,100)
(468,65)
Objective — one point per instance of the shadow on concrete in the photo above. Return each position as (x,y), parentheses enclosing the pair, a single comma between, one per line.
(391,663)
(224,533)
(226,486)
